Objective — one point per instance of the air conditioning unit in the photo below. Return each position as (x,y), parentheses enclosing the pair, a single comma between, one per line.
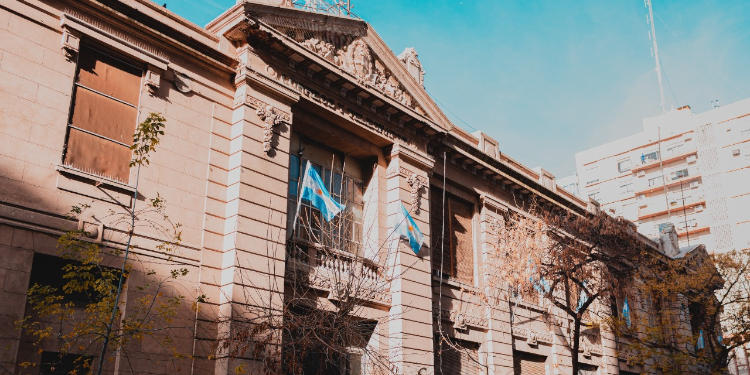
(691,159)
(699,208)
(641,173)
(695,224)
(736,152)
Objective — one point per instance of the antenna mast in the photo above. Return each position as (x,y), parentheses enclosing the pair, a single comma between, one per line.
(655,52)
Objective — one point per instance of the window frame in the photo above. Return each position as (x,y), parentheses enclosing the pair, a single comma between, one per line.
(620,163)
(115,55)
(453,272)
(355,241)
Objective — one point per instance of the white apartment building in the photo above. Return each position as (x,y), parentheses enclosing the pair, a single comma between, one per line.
(690,169)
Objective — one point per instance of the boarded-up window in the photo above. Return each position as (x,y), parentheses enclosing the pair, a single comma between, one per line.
(103,115)
(457,357)
(457,237)
(528,364)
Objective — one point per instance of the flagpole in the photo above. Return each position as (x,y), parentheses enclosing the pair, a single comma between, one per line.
(300,179)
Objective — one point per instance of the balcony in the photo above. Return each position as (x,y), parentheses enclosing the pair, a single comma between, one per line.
(668,160)
(649,213)
(341,274)
(670,184)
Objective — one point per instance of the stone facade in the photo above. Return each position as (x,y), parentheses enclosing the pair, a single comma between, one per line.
(247,98)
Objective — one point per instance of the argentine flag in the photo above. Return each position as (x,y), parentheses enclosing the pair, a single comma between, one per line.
(700,345)
(408,230)
(626,312)
(314,191)
(583,298)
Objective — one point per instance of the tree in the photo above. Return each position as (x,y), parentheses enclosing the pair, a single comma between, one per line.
(573,261)
(82,312)
(710,319)
(330,313)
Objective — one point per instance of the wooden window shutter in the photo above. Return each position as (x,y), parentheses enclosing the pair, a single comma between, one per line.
(439,238)
(528,364)
(458,358)
(462,240)
(103,115)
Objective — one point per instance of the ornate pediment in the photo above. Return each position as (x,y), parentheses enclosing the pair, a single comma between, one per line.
(352,54)
(342,53)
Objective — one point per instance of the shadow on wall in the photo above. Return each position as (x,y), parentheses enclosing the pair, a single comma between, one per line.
(32,220)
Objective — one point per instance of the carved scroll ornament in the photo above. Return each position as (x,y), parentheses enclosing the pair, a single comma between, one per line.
(417,186)
(271,117)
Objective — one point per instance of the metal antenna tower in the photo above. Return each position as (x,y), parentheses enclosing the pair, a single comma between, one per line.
(334,7)
(655,51)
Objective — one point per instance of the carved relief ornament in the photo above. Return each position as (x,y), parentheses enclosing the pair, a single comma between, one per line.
(355,57)
(271,117)
(416,186)
(316,97)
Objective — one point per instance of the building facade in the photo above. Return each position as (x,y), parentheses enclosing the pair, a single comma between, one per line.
(250,100)
(685,168)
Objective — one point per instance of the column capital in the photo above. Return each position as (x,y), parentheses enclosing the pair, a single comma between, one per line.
(413,157)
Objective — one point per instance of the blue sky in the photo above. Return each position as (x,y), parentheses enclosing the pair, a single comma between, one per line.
(550,78)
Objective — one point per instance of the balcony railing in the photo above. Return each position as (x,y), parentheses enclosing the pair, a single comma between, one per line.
(342,274)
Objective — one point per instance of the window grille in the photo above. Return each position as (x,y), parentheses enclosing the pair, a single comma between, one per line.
(649,157)
(344,232)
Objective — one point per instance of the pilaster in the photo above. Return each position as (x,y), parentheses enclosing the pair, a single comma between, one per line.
(247,219)
(410,320)
(499,341)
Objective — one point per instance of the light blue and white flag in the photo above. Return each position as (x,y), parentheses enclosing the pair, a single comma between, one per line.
(542,286)
(583,298)
(626,312)
(700,345)
(720,338)
(314,191)
(408,230)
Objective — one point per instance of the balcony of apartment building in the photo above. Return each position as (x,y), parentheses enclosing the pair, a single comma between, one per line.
(689,220)
(675,176)
(677,200)
(682,149)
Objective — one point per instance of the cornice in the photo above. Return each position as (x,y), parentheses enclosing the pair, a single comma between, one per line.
(493,203)
(158,29)
(418,159)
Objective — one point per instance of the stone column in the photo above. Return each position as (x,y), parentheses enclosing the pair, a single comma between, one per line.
(410,319)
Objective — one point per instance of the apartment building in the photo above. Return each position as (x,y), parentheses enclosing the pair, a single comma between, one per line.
(249,100)
(689,169)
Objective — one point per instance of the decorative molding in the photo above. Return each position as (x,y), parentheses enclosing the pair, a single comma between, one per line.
(323,101)
(410,59)
(462,320)
(493,203)
(412,156)
(105,33)
(70,44)
(531,335)
(417,186)
(271,117)
(152,80)
(352,55)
